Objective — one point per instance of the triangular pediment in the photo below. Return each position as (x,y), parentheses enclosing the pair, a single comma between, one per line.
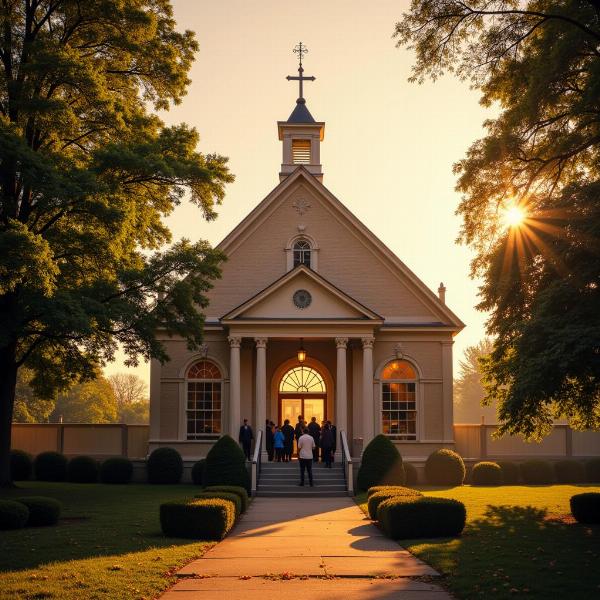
(302,294)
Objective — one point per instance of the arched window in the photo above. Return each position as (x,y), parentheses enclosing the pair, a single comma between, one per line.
(302,379)
(302,251)
(204,390)
(399,400)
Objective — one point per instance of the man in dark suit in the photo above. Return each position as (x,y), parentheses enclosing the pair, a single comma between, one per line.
(314,430)
(245,438)
(288,433)
(299,430)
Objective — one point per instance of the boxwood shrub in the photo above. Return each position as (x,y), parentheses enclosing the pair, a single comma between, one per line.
(199,519)
(592,470)
(569,471)
(21,465)
(537,472)
(226,465)
(237,502)
(233,489)
(377,498)
(164,465)
(50,466)
(117,469)
(425,517)
(386,488)
(380,464)
(510,472)
(13,515)
(82,469)
(411,476)
(42,510)
(198,472)
(586,507)
(486,473)
(445,467)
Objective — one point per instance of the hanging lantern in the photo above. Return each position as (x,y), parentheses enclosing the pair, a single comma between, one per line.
(301,353)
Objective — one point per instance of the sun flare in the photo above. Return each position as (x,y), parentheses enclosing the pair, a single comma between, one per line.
(514,216)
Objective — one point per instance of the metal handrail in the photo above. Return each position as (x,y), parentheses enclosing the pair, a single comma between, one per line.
(347,463)
(256,461)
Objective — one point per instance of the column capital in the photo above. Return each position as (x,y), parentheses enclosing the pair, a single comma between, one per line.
(234,341)
(341,342)
(261,342)
(367,342)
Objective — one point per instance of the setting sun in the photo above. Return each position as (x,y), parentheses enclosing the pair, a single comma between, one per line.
(514,216)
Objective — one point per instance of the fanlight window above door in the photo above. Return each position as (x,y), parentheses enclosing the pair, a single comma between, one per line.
(302,380)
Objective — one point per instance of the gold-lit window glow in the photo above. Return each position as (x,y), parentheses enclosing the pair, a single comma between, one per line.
(399,400)
(203,410)
(302,379)
(398,369)
(204,369)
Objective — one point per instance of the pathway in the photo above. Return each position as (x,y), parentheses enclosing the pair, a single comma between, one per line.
(294,547)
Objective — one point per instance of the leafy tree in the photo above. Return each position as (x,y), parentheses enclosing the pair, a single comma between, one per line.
(131,393)
(538,63)
(30,408)
(87,171)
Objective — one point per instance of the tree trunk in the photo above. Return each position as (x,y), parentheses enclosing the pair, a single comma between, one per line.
(8,383)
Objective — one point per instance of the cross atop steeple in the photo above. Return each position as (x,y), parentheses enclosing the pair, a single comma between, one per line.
(300,50)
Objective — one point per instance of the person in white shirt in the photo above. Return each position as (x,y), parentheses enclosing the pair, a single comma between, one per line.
(306,445)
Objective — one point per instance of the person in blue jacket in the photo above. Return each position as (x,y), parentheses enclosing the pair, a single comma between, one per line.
(278,444)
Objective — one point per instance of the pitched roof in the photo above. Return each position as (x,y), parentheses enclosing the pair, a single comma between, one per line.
(300,114)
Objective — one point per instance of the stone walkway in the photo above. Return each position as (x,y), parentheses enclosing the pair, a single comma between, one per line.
(302,546)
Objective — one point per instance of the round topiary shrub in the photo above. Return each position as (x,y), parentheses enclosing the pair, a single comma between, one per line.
(237,501)
(198,472)
(425,517)
(199,519)
(586,507)
(82,469)
(537,472)
(117,469)
(381,464)
(445,467)
(164,465)
(226,465)
(486,473)
(233,489)
(411,477)
(510,472)
(50,466)
(592,470)
(376,498)
(569,471)
(21,465)
(42,510)
(13,515)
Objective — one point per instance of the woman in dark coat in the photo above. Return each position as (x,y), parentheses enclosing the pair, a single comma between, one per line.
(288,444)
(269,439)
(326,445)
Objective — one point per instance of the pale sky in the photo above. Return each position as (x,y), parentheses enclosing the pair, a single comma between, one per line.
(389,145)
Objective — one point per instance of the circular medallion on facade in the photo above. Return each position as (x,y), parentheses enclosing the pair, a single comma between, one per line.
(302,299)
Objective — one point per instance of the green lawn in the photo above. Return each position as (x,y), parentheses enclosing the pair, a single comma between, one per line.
(519,541)
(108,544)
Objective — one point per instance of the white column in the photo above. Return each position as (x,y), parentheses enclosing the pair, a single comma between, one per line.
(367,391)
(234,386)
(341,391)
(261,385)
(448,409)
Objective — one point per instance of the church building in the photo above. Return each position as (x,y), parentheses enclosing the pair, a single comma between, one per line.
(313,316)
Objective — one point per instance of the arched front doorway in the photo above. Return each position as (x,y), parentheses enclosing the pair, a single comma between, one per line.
(302,391)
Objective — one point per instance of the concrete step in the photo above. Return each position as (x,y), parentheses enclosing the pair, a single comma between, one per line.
(299,493)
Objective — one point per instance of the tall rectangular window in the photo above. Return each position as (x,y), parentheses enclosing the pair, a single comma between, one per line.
(203,409)
(301,152)
(399,410)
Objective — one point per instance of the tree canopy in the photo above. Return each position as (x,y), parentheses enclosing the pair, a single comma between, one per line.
(87,173)
(537,63)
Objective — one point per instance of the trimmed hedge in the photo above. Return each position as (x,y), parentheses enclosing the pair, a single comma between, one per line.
(13,515)
(425,517)
(411,476)
(237,502)
(117,469)
(586,507)
(226,465)
(232,489)
(50,466)
(380,464)
(569,471)
(486,473)
(387,488)
(377,498)
(510,472)
(164,465)
(82,469)
(592,470)
(445,467)
(537,472)
(21,465)
(198,472)
(209,519)
(43,511)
